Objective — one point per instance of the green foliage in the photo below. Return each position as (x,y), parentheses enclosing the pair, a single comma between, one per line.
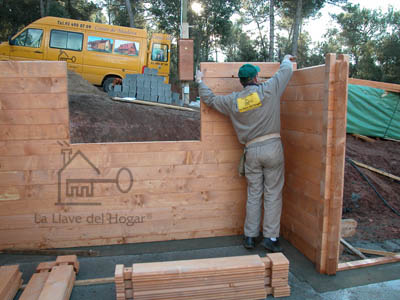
(363,33)
(238,46)
(209,28)
(119,15)
(257,11)
(14,15)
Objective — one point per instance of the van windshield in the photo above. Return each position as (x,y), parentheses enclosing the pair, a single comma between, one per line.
(159,52)
(29,38)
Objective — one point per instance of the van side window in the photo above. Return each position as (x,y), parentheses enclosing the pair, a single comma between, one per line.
(126,48)
(159,52)
(29,38)
(66,40)
(99,44)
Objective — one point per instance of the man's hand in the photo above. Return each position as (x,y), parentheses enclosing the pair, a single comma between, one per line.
(199,76)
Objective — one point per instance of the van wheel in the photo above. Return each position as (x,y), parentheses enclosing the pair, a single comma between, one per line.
(107,83)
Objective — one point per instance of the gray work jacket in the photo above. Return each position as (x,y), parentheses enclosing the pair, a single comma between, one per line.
(260,121)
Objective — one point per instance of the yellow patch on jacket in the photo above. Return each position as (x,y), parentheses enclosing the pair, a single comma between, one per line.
(249,102)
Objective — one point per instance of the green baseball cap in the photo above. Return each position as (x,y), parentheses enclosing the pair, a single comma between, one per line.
(248,71)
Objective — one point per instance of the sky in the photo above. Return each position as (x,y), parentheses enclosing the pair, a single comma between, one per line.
(318,27)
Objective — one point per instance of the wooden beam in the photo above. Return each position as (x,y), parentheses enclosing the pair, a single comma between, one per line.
(51,252)
(377,170)
(154,104)
(391,87)
(59,284)
(367,262)
(377,252)
(354,250)
(34,287)
(363,137)
(95,281)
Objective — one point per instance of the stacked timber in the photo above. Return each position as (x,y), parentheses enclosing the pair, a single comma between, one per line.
(10,281)
(53,280)
(240,277)
(267,278)
(123,283)
(279,275)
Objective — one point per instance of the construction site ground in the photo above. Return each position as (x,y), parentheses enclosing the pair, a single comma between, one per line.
(377,224)
(372,283)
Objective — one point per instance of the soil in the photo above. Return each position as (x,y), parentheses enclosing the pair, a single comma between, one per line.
(96,118)
(376,221)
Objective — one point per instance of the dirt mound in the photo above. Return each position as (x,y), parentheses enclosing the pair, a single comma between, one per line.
(78,85)
(376,221)
(96,118)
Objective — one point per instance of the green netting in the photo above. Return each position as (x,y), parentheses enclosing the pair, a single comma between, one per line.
(373,112)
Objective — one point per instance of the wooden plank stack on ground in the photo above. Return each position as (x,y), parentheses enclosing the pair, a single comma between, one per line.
(10,281)
(241,277)
(53,280)
(123,283)
(279,275)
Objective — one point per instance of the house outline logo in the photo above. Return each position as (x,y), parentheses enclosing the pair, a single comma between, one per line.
(63,56)
(84,187)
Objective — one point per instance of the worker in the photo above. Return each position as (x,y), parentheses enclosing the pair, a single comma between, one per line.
(255,116)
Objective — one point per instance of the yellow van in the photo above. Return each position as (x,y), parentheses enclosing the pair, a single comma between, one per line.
(98,52)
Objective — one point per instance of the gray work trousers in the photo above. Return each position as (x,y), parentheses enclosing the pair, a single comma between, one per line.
(264,168)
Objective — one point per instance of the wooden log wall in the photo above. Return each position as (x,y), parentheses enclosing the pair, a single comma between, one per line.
(313,114)
(187,189)
(55,194)
(313,117)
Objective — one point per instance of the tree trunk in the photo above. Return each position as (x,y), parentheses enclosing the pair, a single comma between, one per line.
(130,13)
(42,14)
(70,10)
(263,46)
(271,29)
(297,27)
(48,7)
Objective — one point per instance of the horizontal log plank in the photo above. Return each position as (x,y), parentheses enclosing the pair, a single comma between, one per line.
(97,241)
(116,160)
(37,177)
(306,76)
(34,101)
(305,140)
(34,117)
(33,132)
(31,85)
(391,87)
(32,69)
(309,124)
(231,69)
(131,201)
(367,262)
(307,93)
(65,234)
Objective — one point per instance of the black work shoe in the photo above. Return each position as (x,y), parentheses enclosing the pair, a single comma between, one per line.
(272,246)
(249,242)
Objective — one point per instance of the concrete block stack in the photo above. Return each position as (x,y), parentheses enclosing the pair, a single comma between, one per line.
(148,87)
